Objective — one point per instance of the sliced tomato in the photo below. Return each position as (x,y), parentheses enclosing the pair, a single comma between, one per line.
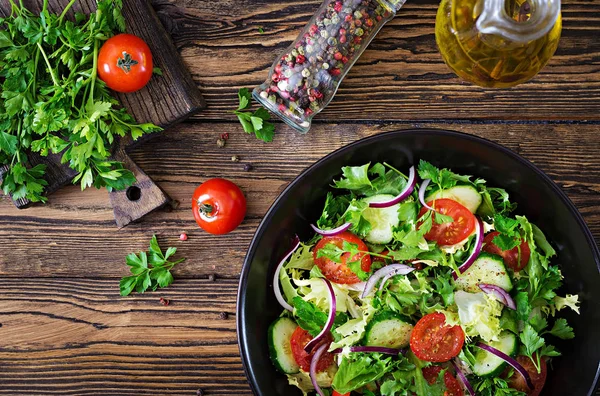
(517,381)
(434,341)
(453,387)
(447,234)
(339,272)
(299,339)
(516,258)
(336,393)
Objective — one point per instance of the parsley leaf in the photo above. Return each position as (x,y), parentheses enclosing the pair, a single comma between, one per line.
(309,316)
(149,269)
(355,178)
(531,340)
(256,122)
(509,236)
(562,330)
(443,178)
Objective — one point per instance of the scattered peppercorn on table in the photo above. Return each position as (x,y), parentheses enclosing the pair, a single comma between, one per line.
(65,329)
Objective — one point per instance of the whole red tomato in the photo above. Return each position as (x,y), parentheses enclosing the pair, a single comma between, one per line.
(125,63)
(219,206)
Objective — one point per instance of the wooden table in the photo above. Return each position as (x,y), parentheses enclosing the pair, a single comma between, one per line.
(65,330)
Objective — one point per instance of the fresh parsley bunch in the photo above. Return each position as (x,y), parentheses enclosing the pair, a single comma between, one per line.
(150,269)
(52,100)
(254,122)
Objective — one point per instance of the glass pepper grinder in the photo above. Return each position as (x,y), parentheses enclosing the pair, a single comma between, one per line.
(497,43)
(304,79)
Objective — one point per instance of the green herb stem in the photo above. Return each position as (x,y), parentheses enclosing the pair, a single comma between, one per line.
(67,8)
(94,72)
(50,70)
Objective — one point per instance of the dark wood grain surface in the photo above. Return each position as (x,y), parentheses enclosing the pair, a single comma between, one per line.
(65,329)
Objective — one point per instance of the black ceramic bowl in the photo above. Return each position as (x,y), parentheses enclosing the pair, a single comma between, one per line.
(542,201)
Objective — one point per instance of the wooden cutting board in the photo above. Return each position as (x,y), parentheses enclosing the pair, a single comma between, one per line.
(166,100)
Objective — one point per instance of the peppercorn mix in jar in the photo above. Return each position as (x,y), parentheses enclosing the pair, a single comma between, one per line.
(305,78)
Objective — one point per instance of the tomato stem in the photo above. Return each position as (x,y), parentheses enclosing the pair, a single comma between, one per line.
(206,209)
(126,62)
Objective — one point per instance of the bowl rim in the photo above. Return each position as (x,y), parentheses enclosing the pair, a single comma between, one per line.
(260,230)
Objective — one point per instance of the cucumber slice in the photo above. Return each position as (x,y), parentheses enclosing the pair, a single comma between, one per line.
(280,334)
(382,220)
(468,196)
(389,330)
(488,268)
(487,364)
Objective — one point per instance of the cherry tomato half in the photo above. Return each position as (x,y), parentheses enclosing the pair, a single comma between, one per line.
(339,272)
(299,339)
(434,341)
(510,257)
(446,234)
(517,381)
(125,63)
(219,206)
(452,385)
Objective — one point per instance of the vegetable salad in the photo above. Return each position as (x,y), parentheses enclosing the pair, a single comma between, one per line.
(422,283)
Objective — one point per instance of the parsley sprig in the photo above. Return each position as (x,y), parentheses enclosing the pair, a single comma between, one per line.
(255,122)
(150,269)
(52,100)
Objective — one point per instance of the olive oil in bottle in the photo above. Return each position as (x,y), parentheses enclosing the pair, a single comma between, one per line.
(497,43)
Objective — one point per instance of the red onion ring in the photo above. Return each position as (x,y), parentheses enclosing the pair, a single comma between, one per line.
(313,368)
(332,308)
(463,378)
(335,231)
(410,186)
(508,360)
(276,289)
(392,270)
(501,294)
(476,250)
(384,280)
(422,194)
(372,349)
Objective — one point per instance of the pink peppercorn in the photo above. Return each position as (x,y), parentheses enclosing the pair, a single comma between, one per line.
(317,94)
(183,237)
(344,59)
(282,108)
(278,68)
(379,18)
(335,72)
(357,40)
(308,111)
(369,22)
(342,39)
(342,32)
(275,77)
(358,23)
(348,18)
(300,59)
(338,6)
(313,29)
(338,56)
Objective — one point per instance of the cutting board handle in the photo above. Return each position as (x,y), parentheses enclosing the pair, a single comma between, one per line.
(138,200)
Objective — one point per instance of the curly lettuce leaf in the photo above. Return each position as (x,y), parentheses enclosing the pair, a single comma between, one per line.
(479,315)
